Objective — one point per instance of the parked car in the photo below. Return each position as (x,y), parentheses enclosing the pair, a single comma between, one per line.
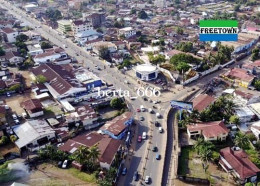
(14,116)
(65,164)
(60,164)
(160,129)
(147,179)
(155,149)
(156,123)
(144,136)
(136,176)
(8,94)
(139,139)
(124,171)
(138,110)
(158,156)
(141,118)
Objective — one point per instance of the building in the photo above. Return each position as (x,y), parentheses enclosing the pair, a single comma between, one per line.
(2,114)
(127,32)
(118,127)
(6,24)
(160,3)
(97,45)
(96,19)
(35,49)
(245,114)
(64,26)
(146,72)
(87,35)
(61,83)
(88,79)
(50,55)
(239,165)
(255,107)
(108,147)
(202,101)
(255,128)
(30,7)
(211,131)
(85,115)
(81,26)
(12,58)
(33,134)
(9,34)
(239,77)
(33,107)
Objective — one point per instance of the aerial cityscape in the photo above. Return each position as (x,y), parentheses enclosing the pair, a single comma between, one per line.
(129,93)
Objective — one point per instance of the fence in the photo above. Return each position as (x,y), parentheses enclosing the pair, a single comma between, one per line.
(167,72)
(194,180)
(191,80)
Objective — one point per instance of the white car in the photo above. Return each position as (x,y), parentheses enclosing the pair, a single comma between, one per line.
(65,164)
(147,179)
(14,116)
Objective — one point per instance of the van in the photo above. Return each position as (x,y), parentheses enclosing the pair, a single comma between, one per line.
(142,108)
(144,135)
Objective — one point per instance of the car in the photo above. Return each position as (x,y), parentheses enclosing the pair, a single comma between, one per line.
(141,118)
(65,164)
(147,179)
(139,139)
(14,116)
(144,136)
(17,122)
(160,129)
(8,94)
(124,171)
(145,98)
(136,176)
(156,123)
(158,156)
(155,149)
(138,110)
(60,164)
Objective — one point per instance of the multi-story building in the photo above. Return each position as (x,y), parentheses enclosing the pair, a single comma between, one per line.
(79,26)
(97,19)
(127,32)
(9,34)
(64,26)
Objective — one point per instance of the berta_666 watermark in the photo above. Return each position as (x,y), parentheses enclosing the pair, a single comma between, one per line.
(140,92)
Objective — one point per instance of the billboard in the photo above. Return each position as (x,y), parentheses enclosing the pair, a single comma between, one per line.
(182,105)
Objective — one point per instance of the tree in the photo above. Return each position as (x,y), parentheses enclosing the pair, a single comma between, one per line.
(179,30)
(156,59)
(183,67)
(13,138)
(104,53)
(41,79)
(257,84)
(237,7)
(21,38)
(81,155)
(255,54)
(4,140)
(15,87)
(142,15)
(53,15)
(185,46)
(126,63)
(234,119)
(45,45)
(241,140)
(182,57)
(133,11)
(2,52)
(94,153)
(117,103)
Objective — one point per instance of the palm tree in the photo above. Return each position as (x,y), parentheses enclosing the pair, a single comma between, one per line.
(94,153)
(242,141)
(81,155)
(198,144)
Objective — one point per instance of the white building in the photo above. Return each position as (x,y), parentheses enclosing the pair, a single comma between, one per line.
(146,72)
(255,128)
(50,55)
(34,134)
(111,46)
(87,35)
(127,32)
(244,114)
(81,26)
(10,34)
(34,50)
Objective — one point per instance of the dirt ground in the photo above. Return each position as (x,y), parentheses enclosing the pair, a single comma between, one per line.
(26,75)
(47,174)
(10,147)
(14,101)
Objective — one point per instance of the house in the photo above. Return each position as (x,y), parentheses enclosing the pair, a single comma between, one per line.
(211,131)
(242,97)
(81,26)
(97,45)
(33,107)
(96,19)
(87,35)
(202,101)
(253,68)
(9,47)
(118,127)
(50,55)
(237,162)
(120,45)
(9,34)
(61,83)
(40,91)
(34,49)
(33,35)
(87,78)
(117,58)
(245,114)
(127,32)
(255,128)
(6,24)
(108,147)
(84,114)
(239,76)
(12,58)
(33,134)
(2,114)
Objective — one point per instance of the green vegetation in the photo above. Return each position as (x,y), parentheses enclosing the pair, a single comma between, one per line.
(117,103)
(45,45)
(110,176)
(53,15)
(142,15)
(41,79)
(4,140)
(257,84)
(104,53)
(182,57)
(20,39)
(89,178)
(51,153)
(255,54)
(186,155)
(2,52)
(185,46)
(234,119)
(179,30)
(241,140)
(157,59)
(120,23)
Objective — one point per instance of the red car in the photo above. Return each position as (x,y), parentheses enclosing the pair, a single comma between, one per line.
(139,139)
(138,110)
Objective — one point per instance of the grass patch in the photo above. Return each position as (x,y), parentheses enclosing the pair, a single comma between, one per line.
(90,178)
(186,155)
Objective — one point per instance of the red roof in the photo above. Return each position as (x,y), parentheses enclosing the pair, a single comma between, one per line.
(202,101)
(240,162)
(32,104)
(209,129)
(8,30)
(241,74)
